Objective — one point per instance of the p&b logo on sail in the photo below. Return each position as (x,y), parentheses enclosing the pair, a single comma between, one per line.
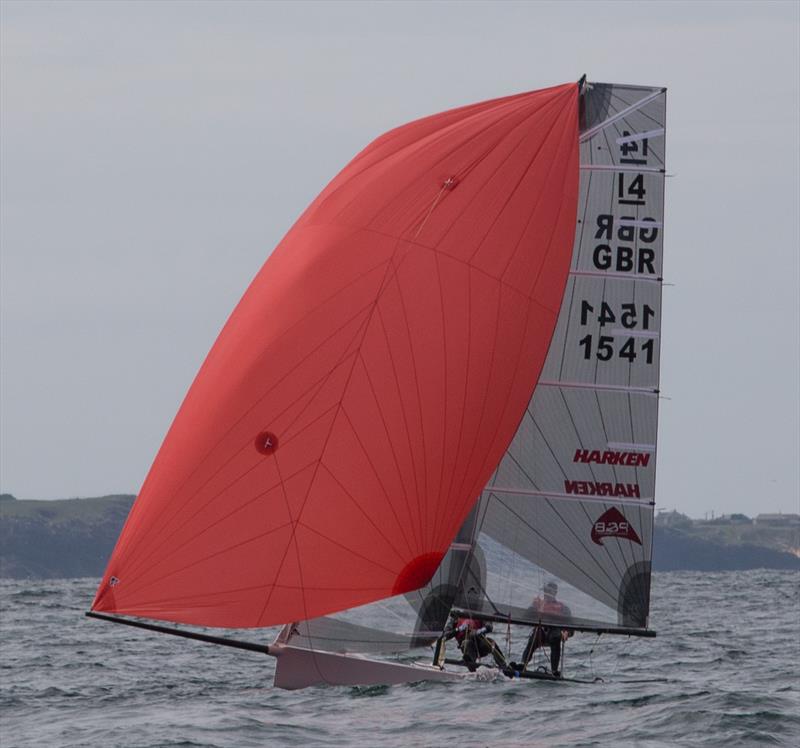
(613,524)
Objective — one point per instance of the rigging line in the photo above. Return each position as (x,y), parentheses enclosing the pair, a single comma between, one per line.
(556,549)
(592,131)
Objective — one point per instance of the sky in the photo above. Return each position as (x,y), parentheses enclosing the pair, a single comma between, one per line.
(152,154)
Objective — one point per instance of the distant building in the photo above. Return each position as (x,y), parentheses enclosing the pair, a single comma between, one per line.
(778,520)
(673,519)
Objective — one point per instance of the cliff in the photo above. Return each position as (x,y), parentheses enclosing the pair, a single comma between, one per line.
(75,537)
(59,539)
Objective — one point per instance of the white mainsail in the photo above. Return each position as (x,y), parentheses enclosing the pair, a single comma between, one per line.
(574,495)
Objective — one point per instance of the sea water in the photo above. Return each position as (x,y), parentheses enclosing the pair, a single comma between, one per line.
(724,670)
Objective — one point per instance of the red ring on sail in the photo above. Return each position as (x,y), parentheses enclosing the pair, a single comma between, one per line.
(266,442)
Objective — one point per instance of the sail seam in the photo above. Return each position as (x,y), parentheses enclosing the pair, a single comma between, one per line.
(392,450)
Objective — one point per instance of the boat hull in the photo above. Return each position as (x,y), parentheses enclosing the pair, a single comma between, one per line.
(298,668)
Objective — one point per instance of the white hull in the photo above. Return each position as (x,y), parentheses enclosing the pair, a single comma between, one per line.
(298,667)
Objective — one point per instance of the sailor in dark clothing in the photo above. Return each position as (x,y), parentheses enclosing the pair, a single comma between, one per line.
(549,636)
(470,631)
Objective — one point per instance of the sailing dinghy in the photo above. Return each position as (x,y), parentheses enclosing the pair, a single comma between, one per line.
(440,390)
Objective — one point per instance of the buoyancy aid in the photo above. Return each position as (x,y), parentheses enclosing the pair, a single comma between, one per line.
(463,625)
(553,607)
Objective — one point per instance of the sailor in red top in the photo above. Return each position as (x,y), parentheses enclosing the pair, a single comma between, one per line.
(550,636)
(470,633)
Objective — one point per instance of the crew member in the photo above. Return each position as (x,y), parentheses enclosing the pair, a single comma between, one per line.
(550,636)
(470,633)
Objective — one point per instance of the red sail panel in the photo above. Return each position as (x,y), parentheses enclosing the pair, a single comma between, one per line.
(368,382)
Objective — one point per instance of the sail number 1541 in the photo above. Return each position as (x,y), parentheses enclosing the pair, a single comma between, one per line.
(628,316)
(604,348)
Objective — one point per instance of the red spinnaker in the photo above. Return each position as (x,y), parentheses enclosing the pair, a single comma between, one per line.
(368,382)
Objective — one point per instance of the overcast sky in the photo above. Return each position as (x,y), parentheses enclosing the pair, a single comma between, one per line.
(154,153)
